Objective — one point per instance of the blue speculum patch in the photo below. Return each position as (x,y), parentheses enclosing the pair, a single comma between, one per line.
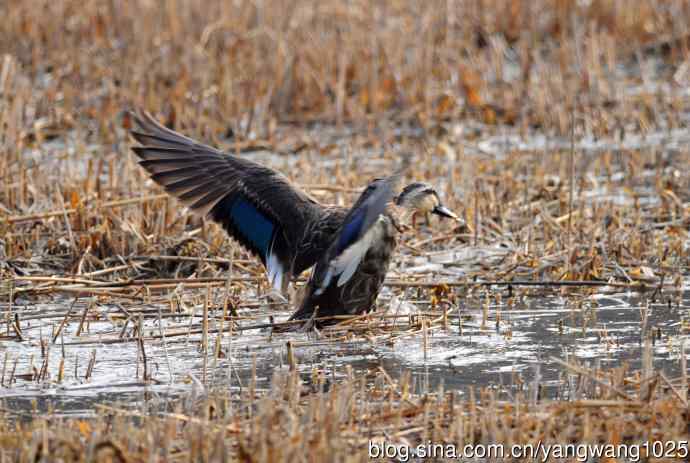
(351,231)
(252,224)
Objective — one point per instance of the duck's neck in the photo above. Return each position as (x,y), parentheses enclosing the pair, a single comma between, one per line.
(401,217)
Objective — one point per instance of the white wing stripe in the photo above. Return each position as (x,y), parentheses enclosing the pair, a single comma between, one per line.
(276,271)
(346,264)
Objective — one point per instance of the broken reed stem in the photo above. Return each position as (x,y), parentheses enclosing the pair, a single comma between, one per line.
(65,211)
(83,317)
(61,370)
(64,320)
(4,368)
(425,339)
(17,328)
(161,332)
(559,283)
(43,373)
(130,282)
(10,306)
(68,226)
(90,367)
(588,374)
(209,260)
(571,169)
(476,212)
(684,371)
(204,336)
(142,349)
(291,360)
(252,383)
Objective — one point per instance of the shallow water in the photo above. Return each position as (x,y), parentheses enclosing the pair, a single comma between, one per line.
(510,353)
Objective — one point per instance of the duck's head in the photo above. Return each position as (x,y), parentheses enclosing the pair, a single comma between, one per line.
(421,198)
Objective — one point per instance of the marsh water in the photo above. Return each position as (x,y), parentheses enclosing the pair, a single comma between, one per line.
(487,341)
(499,346)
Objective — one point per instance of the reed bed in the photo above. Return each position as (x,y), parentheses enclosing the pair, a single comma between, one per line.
(558,130)
(323,420)
(449,81)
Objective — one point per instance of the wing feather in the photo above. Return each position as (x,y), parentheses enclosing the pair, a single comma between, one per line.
(256,205)
(357,234)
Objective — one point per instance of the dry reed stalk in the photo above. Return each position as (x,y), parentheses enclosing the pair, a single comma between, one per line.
(165,345)
(571,186)
(142,349)
(586,373)
(69,211)
(204,337)
(90,366)
(64,320)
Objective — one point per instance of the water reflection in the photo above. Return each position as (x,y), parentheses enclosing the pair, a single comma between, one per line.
(604,331)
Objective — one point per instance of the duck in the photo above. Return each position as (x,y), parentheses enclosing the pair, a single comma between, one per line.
(348,249)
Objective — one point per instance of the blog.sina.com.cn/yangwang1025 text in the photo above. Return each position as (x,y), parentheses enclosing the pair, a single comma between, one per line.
(535,452)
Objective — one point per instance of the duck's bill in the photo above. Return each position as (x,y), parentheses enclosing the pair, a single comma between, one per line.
(443,211)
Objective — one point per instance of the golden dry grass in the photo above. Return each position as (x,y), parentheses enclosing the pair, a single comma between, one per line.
(248,69)
(322,421)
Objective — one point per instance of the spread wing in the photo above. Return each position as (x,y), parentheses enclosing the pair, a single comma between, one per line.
(355,236)
(256,205)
